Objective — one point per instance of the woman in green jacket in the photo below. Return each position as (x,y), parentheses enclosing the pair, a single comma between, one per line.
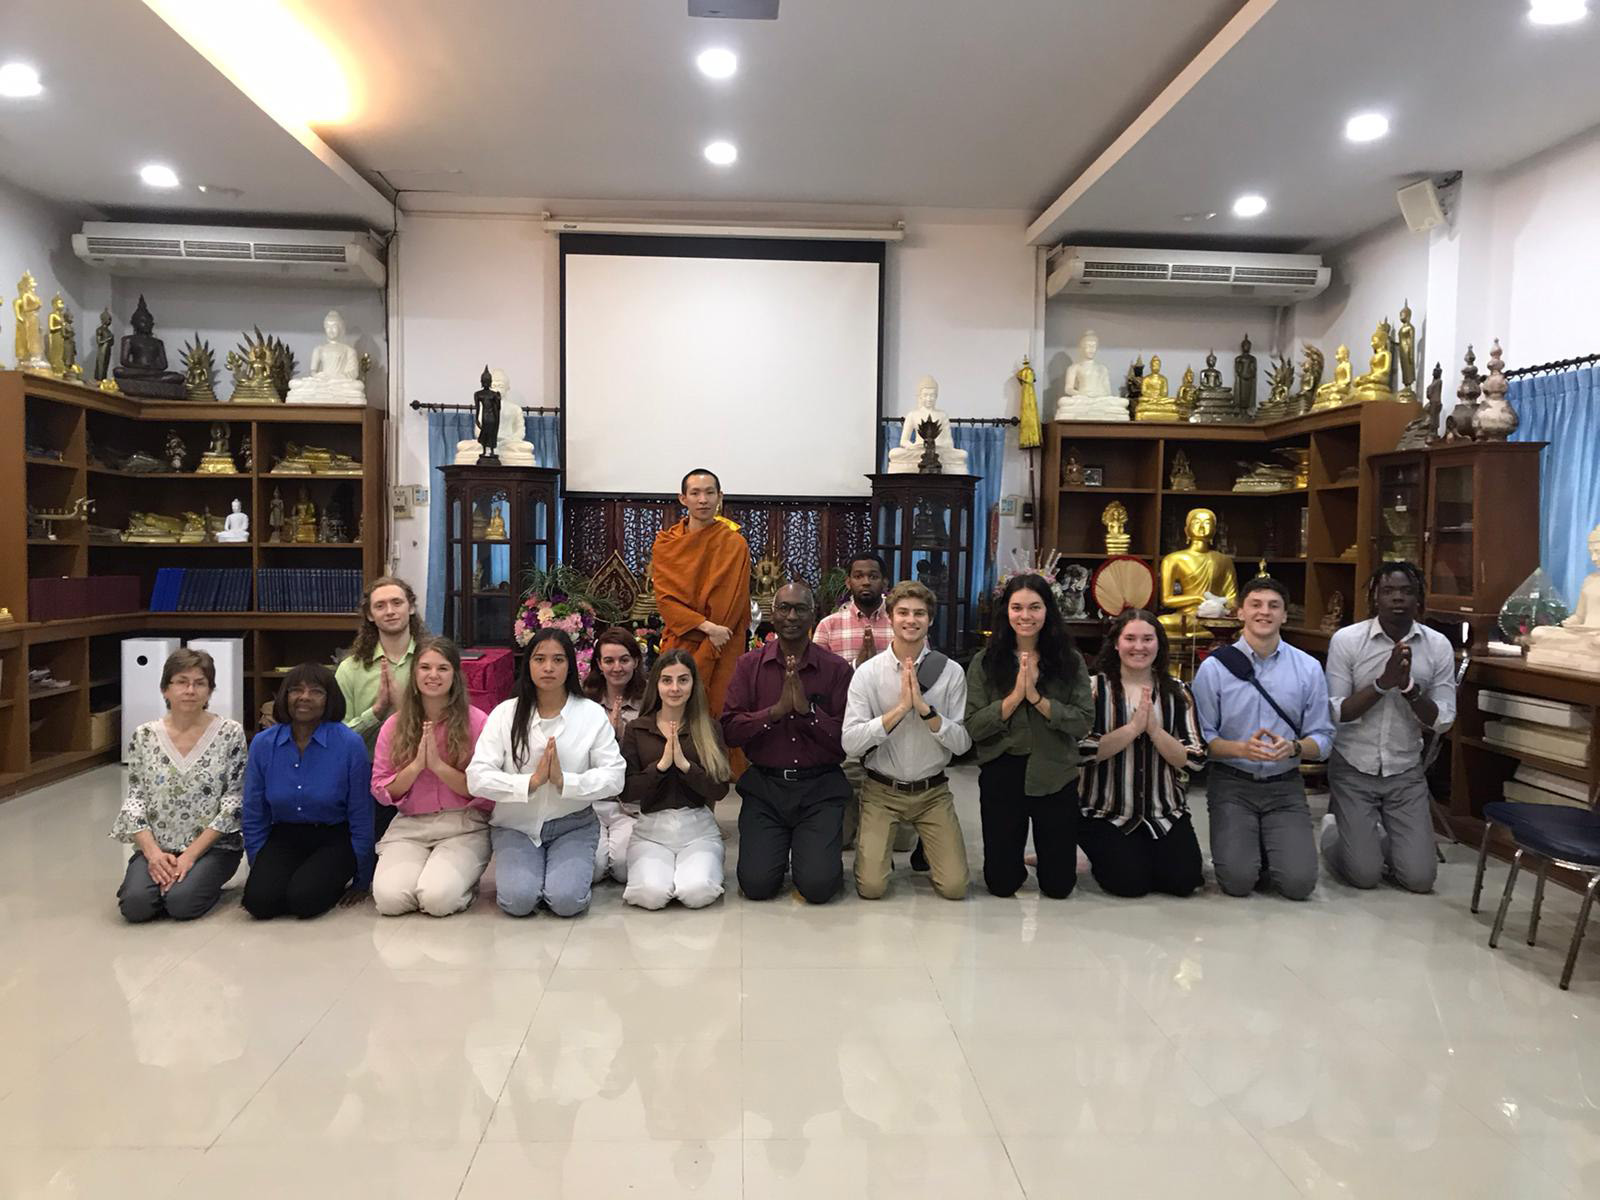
(1028,704)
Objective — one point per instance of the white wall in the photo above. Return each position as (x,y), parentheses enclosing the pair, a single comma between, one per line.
(36,235)
(1372,276)
(1544,256)
(474,288)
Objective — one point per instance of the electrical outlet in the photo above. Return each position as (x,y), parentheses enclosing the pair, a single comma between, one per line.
(419,495)
(400,499)
(1008,506)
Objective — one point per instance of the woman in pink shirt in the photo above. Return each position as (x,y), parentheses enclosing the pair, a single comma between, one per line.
(435,851)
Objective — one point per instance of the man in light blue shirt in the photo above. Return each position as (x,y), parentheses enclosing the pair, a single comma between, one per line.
(1260,822)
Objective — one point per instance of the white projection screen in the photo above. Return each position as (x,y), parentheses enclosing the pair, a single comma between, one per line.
(684,352)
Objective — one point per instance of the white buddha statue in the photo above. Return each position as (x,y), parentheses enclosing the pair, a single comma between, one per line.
(235,526)
(903,459)
(1087,394)
(335,376)
(1573,645)
(511,446)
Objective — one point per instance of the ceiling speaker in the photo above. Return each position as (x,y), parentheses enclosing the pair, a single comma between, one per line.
(1419,205)
(740,10)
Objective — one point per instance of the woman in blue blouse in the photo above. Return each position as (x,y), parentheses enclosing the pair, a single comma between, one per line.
(307,803)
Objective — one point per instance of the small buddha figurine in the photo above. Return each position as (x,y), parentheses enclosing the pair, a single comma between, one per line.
(1154,403)
(143,364)
(1423,430)
(218,458)
(1311,364)
(1406,338)
(1377,383)
(1086,393)
(1131,382)
(496,530)
(1190,575)
(1333,612)
(1181,478)
(1244,379)
(1337,390)
(1213,399)
(30,337)
(199,371)
(1573,645)
(275,516)
(104,340)
(336,370)
(1072,470)
(1186,394)
(235,526)
(69,346)
(305,518)
(1115,518)
(1276,406)
(904,458)
(56,337)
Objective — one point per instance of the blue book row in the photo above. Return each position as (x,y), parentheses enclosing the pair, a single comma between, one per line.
(201,589)
(310,590)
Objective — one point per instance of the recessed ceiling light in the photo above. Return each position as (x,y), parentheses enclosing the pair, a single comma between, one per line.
(18,81)
(1366,127)
(1557,12)
(158,176)
(722,154)
(1249,205)
(717,63)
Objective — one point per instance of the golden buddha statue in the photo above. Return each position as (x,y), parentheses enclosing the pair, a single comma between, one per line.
(1190,575)
(1186,394)
(1337,390)
(1115,519)
(305,518)
(152,527)
(1377,383)
(496,530)
(1154,403)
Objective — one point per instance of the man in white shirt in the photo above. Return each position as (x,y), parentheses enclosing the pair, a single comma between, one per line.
(1391,680)
(904,718)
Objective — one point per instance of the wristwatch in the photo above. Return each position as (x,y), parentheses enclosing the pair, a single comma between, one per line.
(931,714)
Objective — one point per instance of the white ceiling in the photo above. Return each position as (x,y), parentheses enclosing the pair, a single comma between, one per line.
(1467,85)
(883,104)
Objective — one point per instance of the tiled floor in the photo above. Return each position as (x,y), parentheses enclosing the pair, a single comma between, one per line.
(1359,1045)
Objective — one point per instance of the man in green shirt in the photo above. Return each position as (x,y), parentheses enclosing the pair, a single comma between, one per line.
(374,675)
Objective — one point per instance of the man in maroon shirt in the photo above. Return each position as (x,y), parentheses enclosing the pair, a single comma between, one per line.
(785,709)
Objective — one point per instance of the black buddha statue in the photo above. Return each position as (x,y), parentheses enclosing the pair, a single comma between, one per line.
(143,362)
(486,414)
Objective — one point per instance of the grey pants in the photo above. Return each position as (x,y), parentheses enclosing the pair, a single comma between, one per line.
(1380,820)
(195,895)
(1252,821)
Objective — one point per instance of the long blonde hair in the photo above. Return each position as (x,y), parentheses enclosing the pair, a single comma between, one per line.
(702,730)
(408,721)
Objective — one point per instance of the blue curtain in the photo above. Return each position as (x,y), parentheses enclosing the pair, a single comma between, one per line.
(445,429)
(1564,410)
(986,447)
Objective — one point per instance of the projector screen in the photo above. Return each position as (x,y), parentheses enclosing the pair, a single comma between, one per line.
(715,352)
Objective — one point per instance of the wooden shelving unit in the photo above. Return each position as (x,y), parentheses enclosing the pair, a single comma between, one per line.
(1136,458)
(45,734)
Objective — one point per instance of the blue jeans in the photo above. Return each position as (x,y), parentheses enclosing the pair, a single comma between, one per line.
(560,871)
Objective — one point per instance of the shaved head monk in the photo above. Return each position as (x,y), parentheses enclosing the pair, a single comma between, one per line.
(702,577)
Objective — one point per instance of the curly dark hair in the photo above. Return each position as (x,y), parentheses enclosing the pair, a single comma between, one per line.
(1109,663)
(1057,658)
(1396,567)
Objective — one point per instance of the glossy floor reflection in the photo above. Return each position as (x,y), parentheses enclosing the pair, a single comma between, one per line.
(1358,1045)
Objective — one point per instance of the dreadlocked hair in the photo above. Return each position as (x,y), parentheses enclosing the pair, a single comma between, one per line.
(1397,567)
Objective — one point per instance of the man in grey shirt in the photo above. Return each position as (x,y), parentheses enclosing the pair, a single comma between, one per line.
(1390,681)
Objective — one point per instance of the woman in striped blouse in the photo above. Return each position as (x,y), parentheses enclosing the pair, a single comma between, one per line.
(1145,741)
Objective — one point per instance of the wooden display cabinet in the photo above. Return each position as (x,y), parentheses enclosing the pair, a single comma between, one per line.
(922,526)
(483,574)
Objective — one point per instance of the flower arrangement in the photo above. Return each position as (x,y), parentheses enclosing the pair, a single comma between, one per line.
(1041,562)
(555,599)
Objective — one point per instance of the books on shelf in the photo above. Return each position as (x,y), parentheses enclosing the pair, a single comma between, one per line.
(309,589)
(201,589)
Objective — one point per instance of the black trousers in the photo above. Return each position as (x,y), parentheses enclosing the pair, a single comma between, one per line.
(1005,810)
(800,820)
(301,871)
(1134,863)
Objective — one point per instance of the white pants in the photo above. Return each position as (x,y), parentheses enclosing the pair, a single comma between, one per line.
(676,854)
(616,829)
(432,862)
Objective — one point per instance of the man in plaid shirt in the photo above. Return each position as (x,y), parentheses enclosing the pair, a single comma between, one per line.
(855,632)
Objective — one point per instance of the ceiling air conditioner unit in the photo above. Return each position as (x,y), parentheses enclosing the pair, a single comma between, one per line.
(1186,274)
(337,257)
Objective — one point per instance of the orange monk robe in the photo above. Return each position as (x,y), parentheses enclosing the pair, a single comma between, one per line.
(704,575)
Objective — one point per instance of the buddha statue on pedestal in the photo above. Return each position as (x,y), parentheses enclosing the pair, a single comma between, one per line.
(1573,645)
(30,336)
(1377,383)
(1086,393)
(1281,377)
(1213,400)
(305,518)
(336,370)
(1337,390)
(512,448)
(904,459)
(1186,395)
(1191,575)
(1311,364)
(1406,339)
(1154,403)
(143,371)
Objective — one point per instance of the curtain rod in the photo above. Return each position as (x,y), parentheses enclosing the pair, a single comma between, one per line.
(968,420)
(1563,364)
(419,406)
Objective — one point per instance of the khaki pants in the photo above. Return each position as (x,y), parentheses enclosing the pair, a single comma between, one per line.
(432,862)
(933,813)
(905,837)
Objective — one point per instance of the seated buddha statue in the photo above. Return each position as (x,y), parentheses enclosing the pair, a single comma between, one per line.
(1186,394)
(1189,575)
(336,370)
(1086,393)
(1377,383)
(1154,403)
(904,458)
(1573,645)
(1337,390)
(143,365)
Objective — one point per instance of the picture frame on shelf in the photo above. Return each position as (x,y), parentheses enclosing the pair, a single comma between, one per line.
(1094,477)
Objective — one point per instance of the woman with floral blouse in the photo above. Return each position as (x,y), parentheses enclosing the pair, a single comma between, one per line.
(181,812)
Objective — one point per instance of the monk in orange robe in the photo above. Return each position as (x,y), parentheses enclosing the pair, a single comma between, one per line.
(702,578)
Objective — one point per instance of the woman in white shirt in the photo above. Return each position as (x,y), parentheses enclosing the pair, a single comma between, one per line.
(616,681)
(544,757)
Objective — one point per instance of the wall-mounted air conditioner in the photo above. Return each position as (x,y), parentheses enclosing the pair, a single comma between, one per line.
(326,256)
(1088,271)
